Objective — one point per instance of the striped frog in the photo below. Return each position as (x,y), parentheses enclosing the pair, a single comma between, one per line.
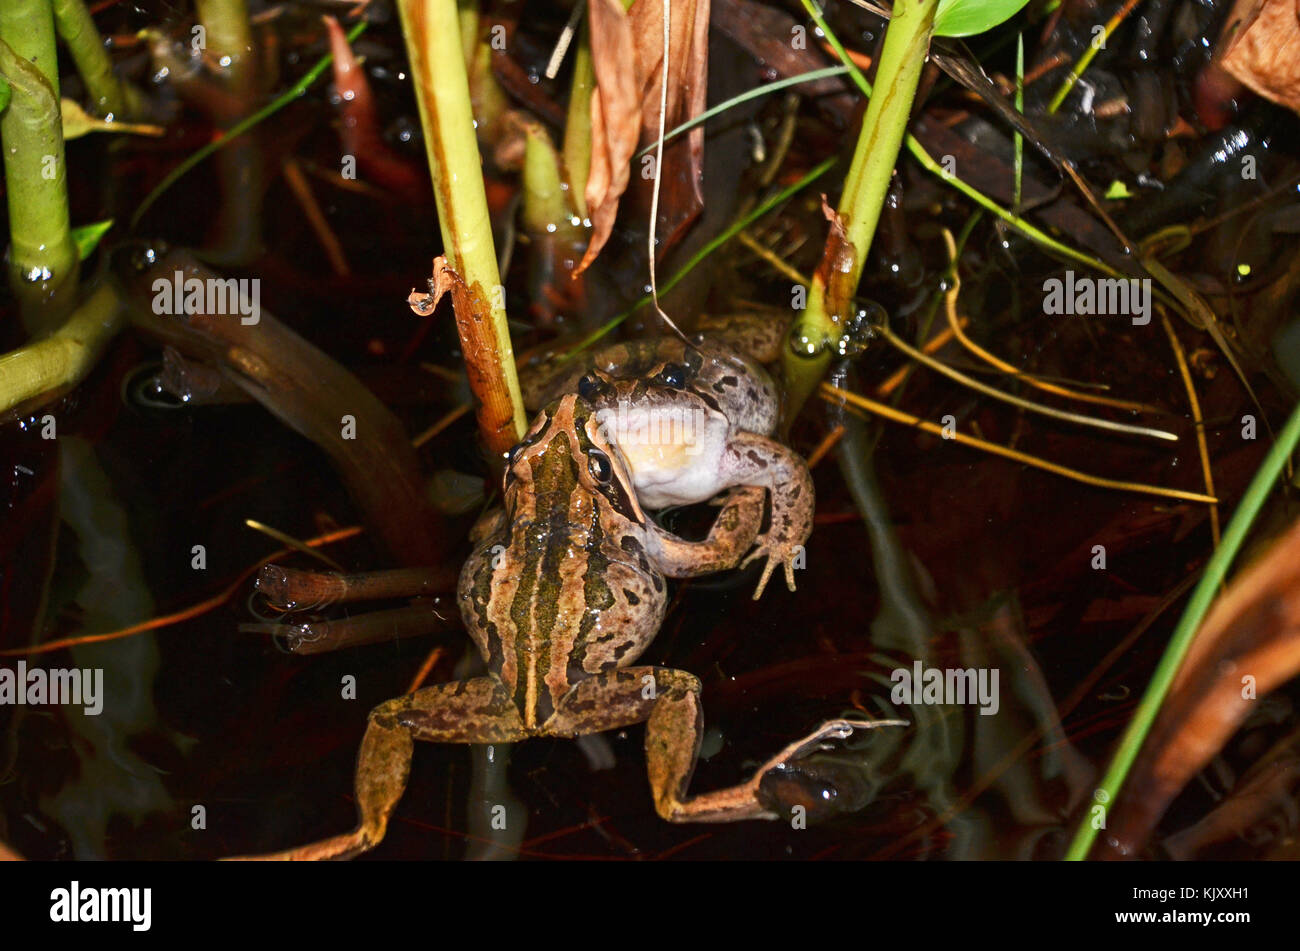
(563,591)
(694,417)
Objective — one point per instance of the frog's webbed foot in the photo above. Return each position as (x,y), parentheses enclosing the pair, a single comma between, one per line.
(672,744)
(776,554)
(758,461)
(467,711)
(824,785)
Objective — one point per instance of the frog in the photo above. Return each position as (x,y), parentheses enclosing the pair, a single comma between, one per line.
(694,417)
(563,591)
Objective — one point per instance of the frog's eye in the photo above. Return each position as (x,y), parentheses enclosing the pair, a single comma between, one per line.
(674,375)
(599,466)
(589,387)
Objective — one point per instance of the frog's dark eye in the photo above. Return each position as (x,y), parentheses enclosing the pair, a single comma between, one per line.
(674,375)
(589,387)
(599,466)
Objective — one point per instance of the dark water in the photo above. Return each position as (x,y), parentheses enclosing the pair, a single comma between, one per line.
(964,560)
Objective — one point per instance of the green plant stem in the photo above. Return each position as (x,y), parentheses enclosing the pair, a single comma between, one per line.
(918,152)
(1093,48)
(902,58)
(42,254)
(1019,140)
(28,27)
(239,128)
(110,95)
(50,366)
(577,123)
(433,44)
(1202,597)
(545,207)
(229,33)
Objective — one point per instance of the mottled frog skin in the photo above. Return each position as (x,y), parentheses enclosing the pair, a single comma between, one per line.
(562,593)
(694,418)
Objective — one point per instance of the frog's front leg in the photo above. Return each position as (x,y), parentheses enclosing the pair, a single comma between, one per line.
(751,459)
(731,535)
(466,711)
(668,701)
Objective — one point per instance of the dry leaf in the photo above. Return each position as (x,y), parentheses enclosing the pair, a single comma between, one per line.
(627,58)
(484,364)
(1262,38)
(835,270)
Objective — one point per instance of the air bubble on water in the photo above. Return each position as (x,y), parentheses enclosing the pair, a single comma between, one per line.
(144,258)
(857,333)
(803,345)
(161,76)
(224,61)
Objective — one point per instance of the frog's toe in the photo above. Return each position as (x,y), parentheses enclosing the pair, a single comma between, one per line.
(775,555)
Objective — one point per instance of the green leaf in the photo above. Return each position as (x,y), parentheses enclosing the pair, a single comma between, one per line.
(5,94)
(1117,190)
(968,17)
(87,236)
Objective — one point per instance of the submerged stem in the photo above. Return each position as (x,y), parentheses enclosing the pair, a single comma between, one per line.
(49,366)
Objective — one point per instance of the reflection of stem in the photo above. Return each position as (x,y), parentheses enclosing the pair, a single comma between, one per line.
(433,44)
(62,359)
(43,257)
(109,94)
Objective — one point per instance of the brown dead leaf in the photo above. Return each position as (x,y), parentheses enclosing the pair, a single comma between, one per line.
(627,58)
(483,362)
(835,271)
(1258,47)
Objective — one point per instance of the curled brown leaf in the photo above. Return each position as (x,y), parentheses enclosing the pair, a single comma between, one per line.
(627,53)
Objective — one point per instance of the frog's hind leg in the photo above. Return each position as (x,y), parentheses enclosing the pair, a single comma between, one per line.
(466,711)
(669,701)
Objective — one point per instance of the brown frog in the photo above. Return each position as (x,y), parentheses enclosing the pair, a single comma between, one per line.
(562,593)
